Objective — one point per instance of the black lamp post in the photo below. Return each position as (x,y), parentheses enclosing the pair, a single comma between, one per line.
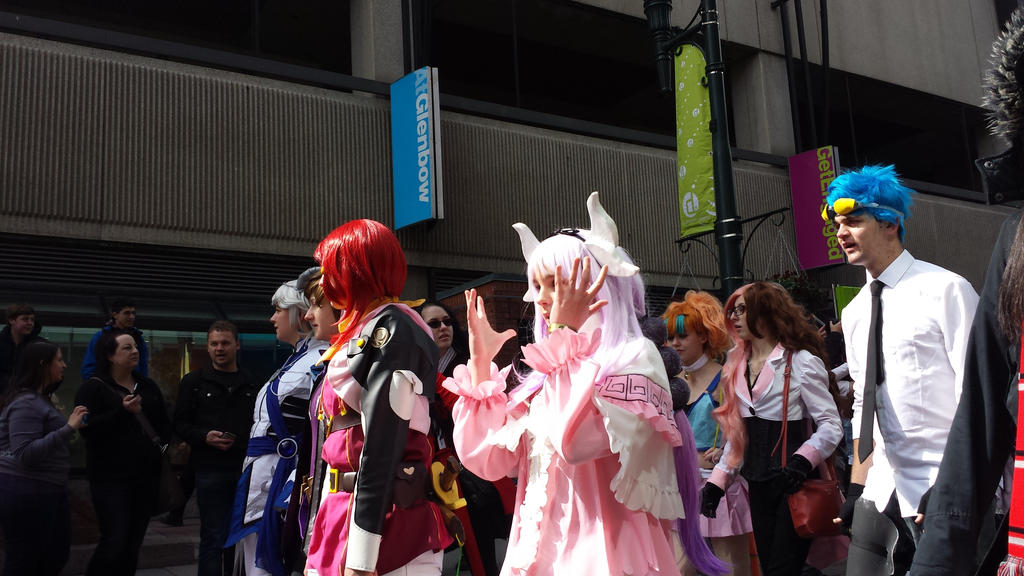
(728,228)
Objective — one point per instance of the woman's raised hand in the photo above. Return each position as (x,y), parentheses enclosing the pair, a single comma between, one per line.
(77,418)
(574,298)
(484,342)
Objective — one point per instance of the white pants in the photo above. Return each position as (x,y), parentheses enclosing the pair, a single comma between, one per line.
(249,556)
(426,564)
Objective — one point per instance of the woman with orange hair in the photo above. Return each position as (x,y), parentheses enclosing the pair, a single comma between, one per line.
(773,338)
(696,331)
(374,405)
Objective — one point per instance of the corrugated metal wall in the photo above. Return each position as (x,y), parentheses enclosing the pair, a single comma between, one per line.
(135,149)
(105,145)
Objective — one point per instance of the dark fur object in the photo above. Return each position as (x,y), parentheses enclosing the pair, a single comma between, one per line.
(673,365)
(1003,95)
(680,393)
(653,328)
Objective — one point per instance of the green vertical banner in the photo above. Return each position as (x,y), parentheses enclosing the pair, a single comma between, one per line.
(693,143)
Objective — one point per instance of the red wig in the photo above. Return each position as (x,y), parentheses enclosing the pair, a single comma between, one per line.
(772,313)
(702,315)
(363,265)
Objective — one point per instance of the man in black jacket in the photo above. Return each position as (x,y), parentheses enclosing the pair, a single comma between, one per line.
(21,329)
(214,414)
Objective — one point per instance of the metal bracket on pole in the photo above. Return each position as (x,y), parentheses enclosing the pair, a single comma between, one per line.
(777,218)
(761,219)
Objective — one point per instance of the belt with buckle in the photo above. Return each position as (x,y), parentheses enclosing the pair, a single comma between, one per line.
(341,481)
(409,487)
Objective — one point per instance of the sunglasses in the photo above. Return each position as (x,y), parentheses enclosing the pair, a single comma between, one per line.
(435,323)
(844,206)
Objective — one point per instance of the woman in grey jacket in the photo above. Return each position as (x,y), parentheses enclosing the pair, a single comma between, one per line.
(34,463)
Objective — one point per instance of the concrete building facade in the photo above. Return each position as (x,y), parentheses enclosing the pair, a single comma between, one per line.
(195,165)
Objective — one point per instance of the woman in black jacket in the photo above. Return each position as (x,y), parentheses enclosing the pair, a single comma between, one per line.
(123,461)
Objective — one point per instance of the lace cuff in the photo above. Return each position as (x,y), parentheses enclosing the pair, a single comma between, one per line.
(563,347)
(493,388)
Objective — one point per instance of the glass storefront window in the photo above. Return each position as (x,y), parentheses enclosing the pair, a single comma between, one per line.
(172,354)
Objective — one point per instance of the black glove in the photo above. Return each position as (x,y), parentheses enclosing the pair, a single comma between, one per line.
(794,474)
(846,511)
(710,496)
(922,508)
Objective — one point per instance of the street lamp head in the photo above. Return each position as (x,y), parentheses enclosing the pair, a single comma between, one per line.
(659,14)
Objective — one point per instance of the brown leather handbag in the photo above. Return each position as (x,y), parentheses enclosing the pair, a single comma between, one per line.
(817,502)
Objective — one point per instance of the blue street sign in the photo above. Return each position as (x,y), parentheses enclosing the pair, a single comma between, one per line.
(416,148)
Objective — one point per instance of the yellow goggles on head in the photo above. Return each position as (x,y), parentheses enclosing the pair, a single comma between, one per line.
(844,206)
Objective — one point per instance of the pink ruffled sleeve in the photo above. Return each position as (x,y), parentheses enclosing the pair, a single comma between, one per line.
(484,437)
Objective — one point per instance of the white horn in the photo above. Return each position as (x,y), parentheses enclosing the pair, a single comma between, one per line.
(527,239)
(601,224)
(603,241)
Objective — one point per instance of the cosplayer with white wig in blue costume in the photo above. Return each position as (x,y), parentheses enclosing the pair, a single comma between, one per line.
(906,340)
(280,418)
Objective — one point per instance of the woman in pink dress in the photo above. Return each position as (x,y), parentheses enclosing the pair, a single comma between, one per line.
(589,432)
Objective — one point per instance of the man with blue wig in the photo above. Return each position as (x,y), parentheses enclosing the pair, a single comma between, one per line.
(906,338)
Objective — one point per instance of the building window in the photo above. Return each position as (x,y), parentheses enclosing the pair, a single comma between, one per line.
(551,56)
(315,34)
(927,138)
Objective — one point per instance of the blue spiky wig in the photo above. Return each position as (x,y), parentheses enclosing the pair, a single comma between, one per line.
(880,185)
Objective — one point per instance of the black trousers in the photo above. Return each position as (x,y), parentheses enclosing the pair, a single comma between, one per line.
(781,550)
(123,508)
(215,494)
(37,526)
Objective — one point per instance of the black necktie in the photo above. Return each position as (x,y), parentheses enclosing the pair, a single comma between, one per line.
(875,374)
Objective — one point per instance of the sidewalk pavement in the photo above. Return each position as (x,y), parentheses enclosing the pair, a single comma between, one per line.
(166,550)
(186,570)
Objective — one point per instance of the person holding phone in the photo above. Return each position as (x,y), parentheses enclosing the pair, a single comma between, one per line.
(214,413)
(122,460)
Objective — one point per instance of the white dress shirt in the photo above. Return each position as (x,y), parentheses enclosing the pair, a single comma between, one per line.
(927,313)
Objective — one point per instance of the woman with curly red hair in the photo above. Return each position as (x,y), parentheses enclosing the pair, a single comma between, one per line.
(373,518)
(771,334)
(696,331)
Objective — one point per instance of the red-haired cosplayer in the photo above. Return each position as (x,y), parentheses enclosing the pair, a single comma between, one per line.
(373,518)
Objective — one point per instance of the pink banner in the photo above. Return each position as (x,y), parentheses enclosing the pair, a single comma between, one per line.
(810,173)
